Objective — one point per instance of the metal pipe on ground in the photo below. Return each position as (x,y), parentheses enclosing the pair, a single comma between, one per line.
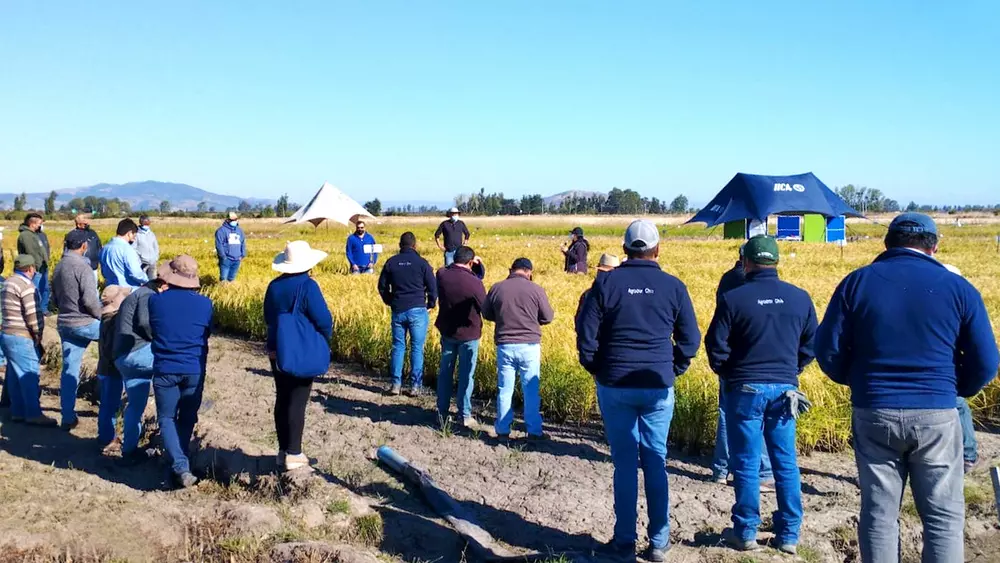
(995,474)
(484,547)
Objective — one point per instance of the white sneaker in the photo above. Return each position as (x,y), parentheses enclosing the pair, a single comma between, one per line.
(293,462)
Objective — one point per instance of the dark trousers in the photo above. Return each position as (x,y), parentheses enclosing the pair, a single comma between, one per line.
(290,401)
(178,398)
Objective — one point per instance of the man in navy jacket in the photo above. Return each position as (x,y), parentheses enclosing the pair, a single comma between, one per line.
(733,278)
(759,341)
(636,332)
(407,286)
(908,337)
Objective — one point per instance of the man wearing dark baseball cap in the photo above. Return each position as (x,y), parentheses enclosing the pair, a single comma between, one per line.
(635,333)
(908,337)
(74,288)
(576,252)
(759,341)
(520,308)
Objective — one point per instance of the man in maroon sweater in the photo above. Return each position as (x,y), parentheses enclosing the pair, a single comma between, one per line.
(460,297)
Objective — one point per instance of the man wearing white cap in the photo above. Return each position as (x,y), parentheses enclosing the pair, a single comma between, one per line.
(636,333)
(231,247)
(456,234)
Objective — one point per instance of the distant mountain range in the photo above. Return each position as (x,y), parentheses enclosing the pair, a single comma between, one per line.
(140,195)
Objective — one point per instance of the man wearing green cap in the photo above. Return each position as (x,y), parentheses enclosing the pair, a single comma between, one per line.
(759,341)
(21,339)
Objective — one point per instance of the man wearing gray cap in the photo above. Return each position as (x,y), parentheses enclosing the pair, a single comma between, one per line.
(455,233)
(908,337)
(636,333)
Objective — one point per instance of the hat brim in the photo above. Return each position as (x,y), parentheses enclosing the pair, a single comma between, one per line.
(169,277)
(304,263)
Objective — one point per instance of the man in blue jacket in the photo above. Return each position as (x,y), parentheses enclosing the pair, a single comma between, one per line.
(759,341)
(635,333)
(908,337)
(733,278)
(408,287)
(361,253)
(231,247)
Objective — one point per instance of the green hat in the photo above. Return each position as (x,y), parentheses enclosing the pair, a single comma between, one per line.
(24,261)
(762,250)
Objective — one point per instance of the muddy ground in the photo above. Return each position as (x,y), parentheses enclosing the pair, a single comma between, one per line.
(61,499)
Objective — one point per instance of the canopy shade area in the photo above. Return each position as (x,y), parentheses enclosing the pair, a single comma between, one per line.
(329,203)
(751,196)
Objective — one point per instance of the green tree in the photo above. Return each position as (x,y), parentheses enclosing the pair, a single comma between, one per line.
(164,207)
(679,204)
(281,207)
(267,211)
(50,203)
(20,201)
(374,207)
(202,206)
(244,207)
(912,206)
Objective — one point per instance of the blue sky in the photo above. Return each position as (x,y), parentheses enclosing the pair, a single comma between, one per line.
(423,100)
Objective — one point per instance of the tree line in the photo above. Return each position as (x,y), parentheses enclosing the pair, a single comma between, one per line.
(116,207)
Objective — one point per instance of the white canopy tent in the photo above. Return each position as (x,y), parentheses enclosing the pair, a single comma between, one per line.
(329,203)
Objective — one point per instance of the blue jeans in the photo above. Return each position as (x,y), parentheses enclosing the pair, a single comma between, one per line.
(524,361)
(464,353)
(636,423)
(23,373)
(111,387)
(228,269)
(758,414)
(924,446)
(41,281)
(720,460)
(178,398)
(74,343)
(137,370)
(969,445)
(449,257)
(413,322)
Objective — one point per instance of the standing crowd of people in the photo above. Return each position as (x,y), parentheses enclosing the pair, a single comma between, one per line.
(910,337)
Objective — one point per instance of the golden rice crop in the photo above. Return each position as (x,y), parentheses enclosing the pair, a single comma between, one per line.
(362,332)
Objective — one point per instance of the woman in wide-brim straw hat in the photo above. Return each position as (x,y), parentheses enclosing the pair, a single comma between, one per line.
(180,321)
(299,327)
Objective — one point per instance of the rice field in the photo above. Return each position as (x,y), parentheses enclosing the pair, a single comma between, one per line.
(696,255)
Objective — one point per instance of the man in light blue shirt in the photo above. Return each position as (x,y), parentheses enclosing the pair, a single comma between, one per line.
(120,263)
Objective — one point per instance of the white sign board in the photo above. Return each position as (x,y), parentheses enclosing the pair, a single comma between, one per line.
(756,228)
(372,249)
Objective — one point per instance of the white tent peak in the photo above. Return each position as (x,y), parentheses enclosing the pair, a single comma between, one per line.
(329,203)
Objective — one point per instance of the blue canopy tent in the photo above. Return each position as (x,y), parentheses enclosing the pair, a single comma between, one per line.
(755,197)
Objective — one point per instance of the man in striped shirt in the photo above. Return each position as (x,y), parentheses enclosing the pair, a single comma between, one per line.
(21,339)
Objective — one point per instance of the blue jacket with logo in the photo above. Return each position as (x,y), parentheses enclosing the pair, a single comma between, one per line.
(407,282)
(356,255)
(905,333)
(637,327)
(230,242)
(762,332)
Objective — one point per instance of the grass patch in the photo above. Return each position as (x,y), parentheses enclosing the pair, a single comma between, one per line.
(367,529)
(810,554)
(338,506)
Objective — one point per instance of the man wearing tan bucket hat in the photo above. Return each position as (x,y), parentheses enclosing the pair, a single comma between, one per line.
(299,328)
(180,321)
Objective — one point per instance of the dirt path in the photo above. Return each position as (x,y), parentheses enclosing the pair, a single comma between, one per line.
(553,497)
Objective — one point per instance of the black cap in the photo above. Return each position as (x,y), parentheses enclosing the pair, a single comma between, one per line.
(577,231)
(522,264)
(75,239)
